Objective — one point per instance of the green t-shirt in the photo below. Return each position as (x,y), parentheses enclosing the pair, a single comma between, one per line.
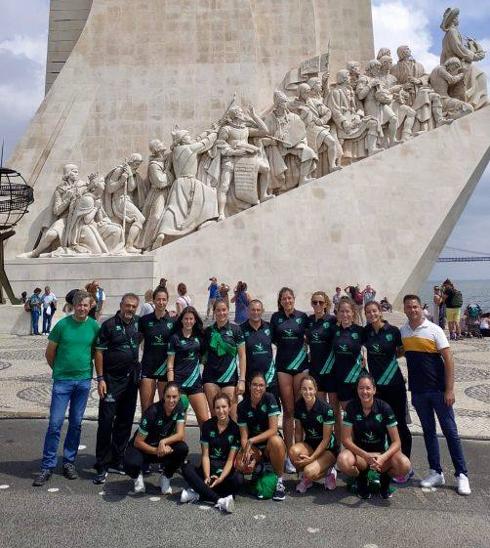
(75,340)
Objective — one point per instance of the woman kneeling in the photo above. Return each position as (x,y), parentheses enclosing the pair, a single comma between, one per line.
(316,448)
(367,424)
(258,417)
(215,480)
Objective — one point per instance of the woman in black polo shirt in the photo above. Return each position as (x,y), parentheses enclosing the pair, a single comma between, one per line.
(215,480)
(184,360)
(258,418)
(346,358)
(316,448)
(288,327)
(367,426)
(383,345)
(224,358)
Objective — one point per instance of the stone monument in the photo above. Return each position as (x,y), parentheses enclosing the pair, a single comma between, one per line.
(266,141)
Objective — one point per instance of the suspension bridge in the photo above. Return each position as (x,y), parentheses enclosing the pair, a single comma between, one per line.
(470,257)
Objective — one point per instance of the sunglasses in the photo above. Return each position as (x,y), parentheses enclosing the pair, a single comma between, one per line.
(317,302)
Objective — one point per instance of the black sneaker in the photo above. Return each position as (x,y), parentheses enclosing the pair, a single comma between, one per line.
(384,486)
(69,471)
(43,477)
(362,486)
(116,469)
(280,492)
(100,477)
(146,469)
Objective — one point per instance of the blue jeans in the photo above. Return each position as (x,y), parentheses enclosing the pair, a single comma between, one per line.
(35,313)
(47,318)
(426,404)
(76,394)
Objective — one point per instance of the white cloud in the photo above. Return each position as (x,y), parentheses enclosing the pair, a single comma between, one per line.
(412,29)
(31,47)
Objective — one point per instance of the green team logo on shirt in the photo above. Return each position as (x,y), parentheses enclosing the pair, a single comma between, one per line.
(299,321)
(118,328)
(158,340)
(326,325)
(303,415)
(376,347)
(267,332)
(337,333)
(191,355)
(231,437)
(183,342)
(212,434)
(144,422)
(315,336)
(259,347)
(229,333)
(263,408)
(358,417)
(217,452)
(389,337)
(343,347)
(250,414)
(355,336)
(160,422)
(370,436)
(280,320)
(288,332)
(169,325)
(378,417)
(311,432)
(150,324)
(319,418)
(246,334)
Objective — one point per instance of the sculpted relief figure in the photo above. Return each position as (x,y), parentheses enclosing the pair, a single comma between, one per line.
(191,203)
(291,160)
(121,183)
(357,133)
(443,79)
(376,100)
(473,88)
(70,188)
(316,116)
(160,179)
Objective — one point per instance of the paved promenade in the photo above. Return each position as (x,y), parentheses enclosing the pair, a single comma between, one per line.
(25,384)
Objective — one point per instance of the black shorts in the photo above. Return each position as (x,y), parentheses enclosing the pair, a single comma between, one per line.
(335,450)
(325,383)
(148,372)
(346,391)
(295,372)
(191,390)
(207,379)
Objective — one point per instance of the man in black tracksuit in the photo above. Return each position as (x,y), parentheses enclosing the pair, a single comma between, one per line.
(117,365)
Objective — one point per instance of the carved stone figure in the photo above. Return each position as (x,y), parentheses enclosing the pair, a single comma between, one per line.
(405,115)
(191,203)
(121,182)
(70,188)
(473,89)
(358,134)
(442,79)
(316,115)
(376,100)
(244,173)
(422,98)
(160,179)
(383,52)
(291,160)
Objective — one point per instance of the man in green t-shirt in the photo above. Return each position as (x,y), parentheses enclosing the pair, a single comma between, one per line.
(70,355)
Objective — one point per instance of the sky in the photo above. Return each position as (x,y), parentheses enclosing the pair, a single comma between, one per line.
(23,45)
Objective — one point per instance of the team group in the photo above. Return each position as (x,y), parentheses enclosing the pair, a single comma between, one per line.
(338,385)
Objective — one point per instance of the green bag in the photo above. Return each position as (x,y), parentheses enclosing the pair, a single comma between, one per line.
(265,485)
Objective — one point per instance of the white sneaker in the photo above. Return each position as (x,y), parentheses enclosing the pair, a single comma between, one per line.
(139,485)
(289,467)
(165,487)
(433,479)
(463,485)
(226,504)
(188,495)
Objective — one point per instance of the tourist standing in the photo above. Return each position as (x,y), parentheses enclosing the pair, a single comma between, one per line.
(49,308)
(453,299)
(213,290)
(147,307)
(241,299)
(224,291)
(34,304)
(438,304)
(368,294)
(183,300)
(431,380)
(336,299)
(116,362)
(69,354)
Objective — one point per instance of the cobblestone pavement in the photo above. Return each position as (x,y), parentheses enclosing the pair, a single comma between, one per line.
(25,382)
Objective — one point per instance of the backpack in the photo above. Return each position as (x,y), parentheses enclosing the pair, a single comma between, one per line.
(456,300)
(474,311)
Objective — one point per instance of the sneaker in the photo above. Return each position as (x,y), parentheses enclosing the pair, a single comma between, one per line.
(165,487)
(362,487)
(100,477)
(280,492)
(289,467)
(116,469)
(43,477)
(188,495)
(303,485)
(401,480)
(463,485)
(69,471)
(226,504)
(139,485)
(330,481)
(433,479)
(384,486)
(146,470)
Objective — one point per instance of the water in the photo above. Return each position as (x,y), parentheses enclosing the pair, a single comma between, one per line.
(477,291)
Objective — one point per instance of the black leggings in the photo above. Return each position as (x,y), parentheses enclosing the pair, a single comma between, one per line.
(195,478)
(134,460)
(396,398)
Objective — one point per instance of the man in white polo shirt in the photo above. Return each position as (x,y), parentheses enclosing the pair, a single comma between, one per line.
(431,380)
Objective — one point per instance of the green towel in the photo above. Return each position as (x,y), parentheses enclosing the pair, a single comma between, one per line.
(220,346)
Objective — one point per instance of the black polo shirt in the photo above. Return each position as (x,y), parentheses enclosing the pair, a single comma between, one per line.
(370,432)
(347,357)
(219,444)
(119,341)
(288,334)
(312,421)
(187,352)
(319,336)
(156,425)
(381,354)
(221,365)
(156,334)
(256,419)
(258,345)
